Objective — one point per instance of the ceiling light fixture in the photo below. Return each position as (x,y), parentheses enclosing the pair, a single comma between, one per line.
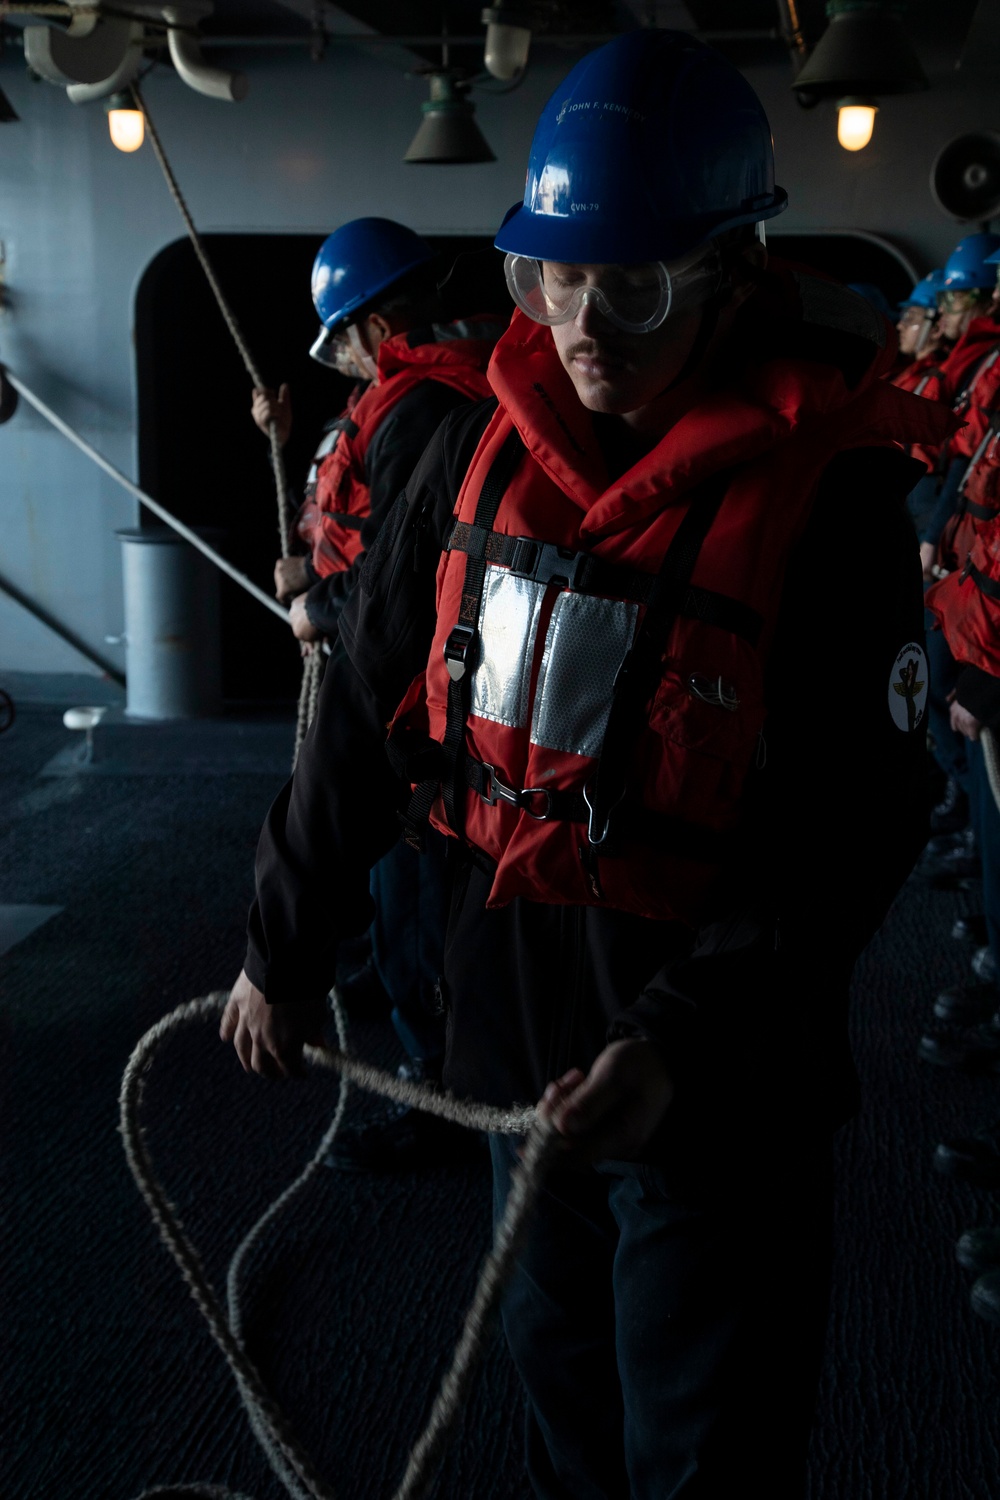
(864,53)
(448,134)
(855,121)
(508,40)
(126,123)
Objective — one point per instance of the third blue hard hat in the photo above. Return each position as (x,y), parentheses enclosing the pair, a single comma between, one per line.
(360,261)
(968,267)
(925,292)
(652,145)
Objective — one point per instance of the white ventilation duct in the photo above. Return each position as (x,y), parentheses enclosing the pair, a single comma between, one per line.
(124,74)
(91,50)
(99,55)
(186,55)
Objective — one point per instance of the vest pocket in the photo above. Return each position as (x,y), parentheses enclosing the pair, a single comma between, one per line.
(711,700)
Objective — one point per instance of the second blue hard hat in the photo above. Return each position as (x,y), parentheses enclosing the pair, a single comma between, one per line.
(925,293)
(652,145)
(968,267)
(360,261)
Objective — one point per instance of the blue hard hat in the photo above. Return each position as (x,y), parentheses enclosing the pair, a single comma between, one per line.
(965,270)
(992,260)
(873,294)
(652,145)
(360,260)
(925,293)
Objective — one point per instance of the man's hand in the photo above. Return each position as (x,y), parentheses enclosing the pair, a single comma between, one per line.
(268,407)
(290,578)
(302,627)
(963,722)
(610,1113)
(268,1038)
(928,552)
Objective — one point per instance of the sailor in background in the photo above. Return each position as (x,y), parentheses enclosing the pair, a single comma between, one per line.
(608,624)
(374,287)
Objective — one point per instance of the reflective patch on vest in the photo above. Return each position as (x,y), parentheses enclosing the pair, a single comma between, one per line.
(508,623)
(830,306)
(586,642)
(908,686)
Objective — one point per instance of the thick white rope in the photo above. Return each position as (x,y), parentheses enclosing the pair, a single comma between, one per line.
(991,759)
(291,1464)
(311,664)
(147,500)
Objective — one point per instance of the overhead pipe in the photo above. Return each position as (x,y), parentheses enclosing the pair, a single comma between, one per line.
(186,56)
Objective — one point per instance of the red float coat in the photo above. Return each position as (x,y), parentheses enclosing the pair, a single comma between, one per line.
(966,604)
(330,519)
(923,377)
(544,659)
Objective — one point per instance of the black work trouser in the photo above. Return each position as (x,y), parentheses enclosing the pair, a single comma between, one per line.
(670,1343)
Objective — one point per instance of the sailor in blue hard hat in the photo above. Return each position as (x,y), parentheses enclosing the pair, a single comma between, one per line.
(969,282)
(918,316)
(598,622)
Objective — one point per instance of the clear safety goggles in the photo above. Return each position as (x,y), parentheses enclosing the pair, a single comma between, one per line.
(961,300)
(635,298)
(333,350)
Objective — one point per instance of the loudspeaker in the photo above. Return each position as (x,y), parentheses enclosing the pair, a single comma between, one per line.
(965,177)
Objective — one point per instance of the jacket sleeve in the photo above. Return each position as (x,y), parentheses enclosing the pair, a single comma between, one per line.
(838,814)
(393,454)
(944,506)
(338,814)
(979,692)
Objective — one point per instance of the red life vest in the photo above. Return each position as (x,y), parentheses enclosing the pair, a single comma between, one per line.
(924,378)
(967,603)
(596,681)
(456,355)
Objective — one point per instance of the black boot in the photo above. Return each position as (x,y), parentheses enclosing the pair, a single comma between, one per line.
(952,812)
(976,1049)
(974,1158)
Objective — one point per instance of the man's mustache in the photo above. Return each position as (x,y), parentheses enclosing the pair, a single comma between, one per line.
(589,349)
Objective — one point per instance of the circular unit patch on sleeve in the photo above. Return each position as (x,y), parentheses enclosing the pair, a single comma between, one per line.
(908,685)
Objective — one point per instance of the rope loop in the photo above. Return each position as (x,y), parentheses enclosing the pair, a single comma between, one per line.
(270,1426)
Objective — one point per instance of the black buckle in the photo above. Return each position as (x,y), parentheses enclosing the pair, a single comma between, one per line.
(545,562)
(458,650)
(498,791)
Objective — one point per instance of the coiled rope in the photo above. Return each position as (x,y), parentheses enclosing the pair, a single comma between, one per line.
(991,759)
(312,663)
(289,1461)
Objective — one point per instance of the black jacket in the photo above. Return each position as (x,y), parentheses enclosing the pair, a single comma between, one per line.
(750,1011)
(390,460)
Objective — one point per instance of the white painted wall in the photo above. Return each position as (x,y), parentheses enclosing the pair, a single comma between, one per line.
(312,146)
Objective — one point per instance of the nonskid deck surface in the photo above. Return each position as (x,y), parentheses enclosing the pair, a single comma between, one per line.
(109,1381)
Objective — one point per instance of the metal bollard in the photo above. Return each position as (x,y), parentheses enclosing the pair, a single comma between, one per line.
(172,650)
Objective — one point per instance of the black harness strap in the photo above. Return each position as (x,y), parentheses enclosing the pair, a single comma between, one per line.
(460,658)
(642,825)
(585,573)
(988,586)
(640,671)
(349,522)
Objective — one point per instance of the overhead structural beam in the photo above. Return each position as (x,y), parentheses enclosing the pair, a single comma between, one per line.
(65,632)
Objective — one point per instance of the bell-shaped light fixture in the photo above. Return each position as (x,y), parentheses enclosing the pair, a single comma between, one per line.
(126,123)
(855,121)
(508,40)
(864,50)
(448,134)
